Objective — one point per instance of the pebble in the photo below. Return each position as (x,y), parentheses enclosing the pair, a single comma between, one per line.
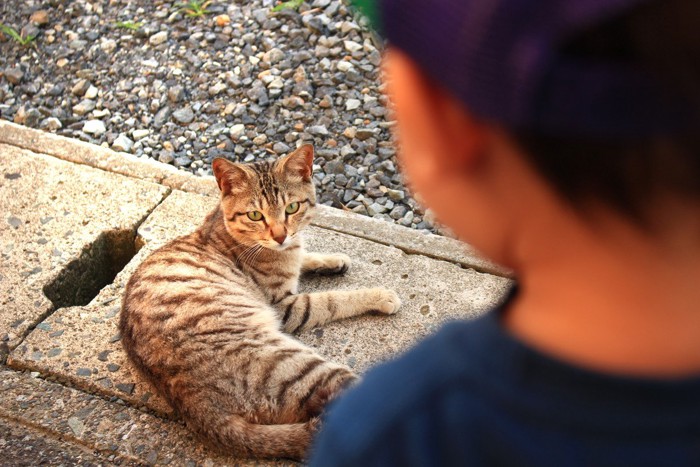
(162,117)
(85,106)
(344,66)
(236,130)
(273,56)
(51,124)
(335,167)
(122,143)
(281,148)
(140,134)
(352,46)
(91,93)
(364,133)
(14,75)
(222,20)
(158,38)
(352,104)
(108,45)
(40,17)
(166,157)
(176,93)
(347,151)
(395,195)
(318,130)
(76,426)
(94,127)
(182,161)
(184,115)
(80,88)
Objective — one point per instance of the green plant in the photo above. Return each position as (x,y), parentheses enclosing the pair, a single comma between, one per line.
(131,25)
(194,8)
(291,4)
(23,41)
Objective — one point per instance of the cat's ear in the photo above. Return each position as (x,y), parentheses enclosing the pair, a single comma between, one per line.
(300,162)
(229,176)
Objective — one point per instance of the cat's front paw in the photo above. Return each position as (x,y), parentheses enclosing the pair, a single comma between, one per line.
(385,301)
(327,265)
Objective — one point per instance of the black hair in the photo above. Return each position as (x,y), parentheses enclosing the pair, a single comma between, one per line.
(662,38)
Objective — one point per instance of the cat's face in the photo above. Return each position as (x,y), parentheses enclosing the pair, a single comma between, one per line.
(267,203)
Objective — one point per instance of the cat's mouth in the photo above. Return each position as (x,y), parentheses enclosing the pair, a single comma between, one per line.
(272,244)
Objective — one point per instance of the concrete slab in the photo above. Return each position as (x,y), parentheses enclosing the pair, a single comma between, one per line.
(80,345)
(69,427)
(24,447)
(63,228)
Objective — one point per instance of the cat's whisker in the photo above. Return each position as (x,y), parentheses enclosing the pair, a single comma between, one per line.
(249,254)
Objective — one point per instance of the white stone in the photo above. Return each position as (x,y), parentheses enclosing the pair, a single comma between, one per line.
(91,93)
(344,66)
(108,45)
(94,127)
(352,104)
(122,143)
(140,134)
(352,46)
(237,130)
(276,83)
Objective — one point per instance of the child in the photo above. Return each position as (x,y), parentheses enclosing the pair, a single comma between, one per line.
(561,139)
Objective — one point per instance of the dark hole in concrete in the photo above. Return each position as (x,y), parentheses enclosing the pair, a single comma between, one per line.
(99,263)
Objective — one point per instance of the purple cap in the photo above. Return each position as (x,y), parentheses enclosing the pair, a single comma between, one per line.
(504,59)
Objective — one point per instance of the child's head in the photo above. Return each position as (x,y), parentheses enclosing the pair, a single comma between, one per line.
(516,115)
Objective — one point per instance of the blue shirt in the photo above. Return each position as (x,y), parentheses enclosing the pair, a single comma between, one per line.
(473,395)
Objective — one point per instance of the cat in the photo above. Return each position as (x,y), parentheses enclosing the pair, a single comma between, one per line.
(207,317)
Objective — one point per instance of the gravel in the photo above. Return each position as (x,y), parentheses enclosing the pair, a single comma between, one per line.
(240,82)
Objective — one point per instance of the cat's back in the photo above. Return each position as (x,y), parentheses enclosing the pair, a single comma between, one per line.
(186,272)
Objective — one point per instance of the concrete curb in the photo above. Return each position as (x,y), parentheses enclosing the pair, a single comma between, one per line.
(408,240)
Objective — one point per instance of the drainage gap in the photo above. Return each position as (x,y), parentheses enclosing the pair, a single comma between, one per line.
(99,263)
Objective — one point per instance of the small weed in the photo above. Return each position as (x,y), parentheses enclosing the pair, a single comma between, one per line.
(23,41)
(194,8)
(130,25)
(291,4)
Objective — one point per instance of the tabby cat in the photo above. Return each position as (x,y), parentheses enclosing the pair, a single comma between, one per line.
(203,317)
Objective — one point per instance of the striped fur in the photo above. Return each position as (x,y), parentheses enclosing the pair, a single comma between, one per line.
(203,317)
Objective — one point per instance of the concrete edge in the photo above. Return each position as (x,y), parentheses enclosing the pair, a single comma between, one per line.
(404,238)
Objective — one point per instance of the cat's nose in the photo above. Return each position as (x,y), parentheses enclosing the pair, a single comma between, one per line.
(280,239)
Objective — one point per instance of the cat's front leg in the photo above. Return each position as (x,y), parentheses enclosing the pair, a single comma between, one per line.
(305,311)
(325,264)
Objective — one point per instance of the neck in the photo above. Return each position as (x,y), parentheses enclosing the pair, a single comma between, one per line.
(613,299)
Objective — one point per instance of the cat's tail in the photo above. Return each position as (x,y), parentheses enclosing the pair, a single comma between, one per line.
(239,437)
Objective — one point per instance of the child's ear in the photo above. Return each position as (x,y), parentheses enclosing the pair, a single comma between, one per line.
(300,162)
(229,176)
(432,122)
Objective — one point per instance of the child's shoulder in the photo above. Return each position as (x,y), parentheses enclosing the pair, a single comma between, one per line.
(407,392)
(473,394)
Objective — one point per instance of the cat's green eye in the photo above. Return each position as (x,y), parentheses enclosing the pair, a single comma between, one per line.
(292,208)
(255,215)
